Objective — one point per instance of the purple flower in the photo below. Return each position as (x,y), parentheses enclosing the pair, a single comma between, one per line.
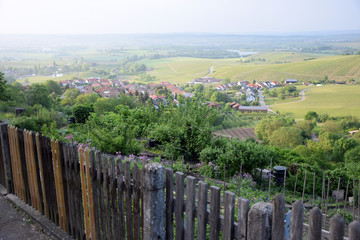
(69,137)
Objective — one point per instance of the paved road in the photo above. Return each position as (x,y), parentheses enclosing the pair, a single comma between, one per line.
(13,225)
(262,102)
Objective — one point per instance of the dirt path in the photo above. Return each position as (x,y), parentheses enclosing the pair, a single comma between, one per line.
(172,69)
(211,70)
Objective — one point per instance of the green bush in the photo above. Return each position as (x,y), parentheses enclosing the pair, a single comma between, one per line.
(81,113)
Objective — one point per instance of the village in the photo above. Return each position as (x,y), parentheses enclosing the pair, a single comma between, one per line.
(108,88)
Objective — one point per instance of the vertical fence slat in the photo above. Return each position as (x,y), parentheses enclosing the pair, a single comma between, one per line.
(5,149)
(29,179)
(95,196)
(128,202)
(190,207)
(297,217)
(202,210)
(107,196)
(214,213)
(37,172)
(56,178)
(21,148)
(354,230)
(90,154)
(78,193)
(49,178)
(315,224)
(243,210)
(169,204)
(136,194)
(113,196)
(71,209)
(120,189)
(278,217)
(179,206)
(63,187)
(84,193)
(72,186)
(41,173)
(229,208)
(337,228)
(101,176)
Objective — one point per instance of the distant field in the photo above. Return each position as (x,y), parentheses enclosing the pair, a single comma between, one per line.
(335,67)
(182,70)
(335,100)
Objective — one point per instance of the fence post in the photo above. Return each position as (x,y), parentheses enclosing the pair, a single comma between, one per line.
(297,216)
(154,202)
(4,140)
(337,228)
(315,224)
(354,230)
(243,210)
(278,226)
(259,221)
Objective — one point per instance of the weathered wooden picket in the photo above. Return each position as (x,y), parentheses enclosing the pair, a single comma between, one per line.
(92,195)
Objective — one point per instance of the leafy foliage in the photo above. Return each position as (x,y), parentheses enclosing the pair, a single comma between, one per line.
(81,113)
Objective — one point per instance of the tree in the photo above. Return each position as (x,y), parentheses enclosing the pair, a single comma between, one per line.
(199,88)
(305,128)
(53,86)
(331,126)
(341,146)
(16,93)
(70,97)
(3,95)
(88,99)
(227,80)
(311,115)
(81,113)
(352,161)
(38,94)
(268,125)
(286,137)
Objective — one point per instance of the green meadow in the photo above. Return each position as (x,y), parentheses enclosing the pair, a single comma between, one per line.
(335,100)
(182,70)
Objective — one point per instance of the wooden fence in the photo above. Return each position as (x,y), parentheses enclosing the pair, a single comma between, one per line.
(92,195)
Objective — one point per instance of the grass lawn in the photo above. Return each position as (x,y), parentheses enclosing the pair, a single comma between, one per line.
(276,100)
(335,100)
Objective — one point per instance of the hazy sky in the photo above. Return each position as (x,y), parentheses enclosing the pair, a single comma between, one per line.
(168,16)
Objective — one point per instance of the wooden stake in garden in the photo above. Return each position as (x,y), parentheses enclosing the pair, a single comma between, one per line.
(295,185)
(224,179)
(284,182)
(354,192)
(302,198)
(346,196)
(270,177)
(182,164)
(313,197)
(337,193)
(238,192)
(322,192)
(327,201)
